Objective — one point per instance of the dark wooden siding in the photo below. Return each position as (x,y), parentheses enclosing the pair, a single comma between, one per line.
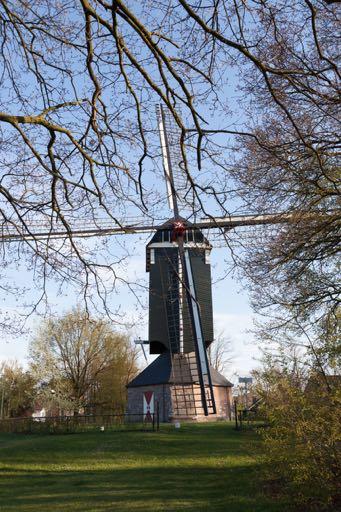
(203,287)
(164,305)
(202,281)
(163,300)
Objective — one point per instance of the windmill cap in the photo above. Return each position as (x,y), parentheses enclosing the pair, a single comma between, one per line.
(192,233)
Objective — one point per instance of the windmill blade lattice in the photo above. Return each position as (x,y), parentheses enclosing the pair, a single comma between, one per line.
(14,231)
(179,193)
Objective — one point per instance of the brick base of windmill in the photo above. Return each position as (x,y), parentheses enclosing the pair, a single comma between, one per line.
(155,385)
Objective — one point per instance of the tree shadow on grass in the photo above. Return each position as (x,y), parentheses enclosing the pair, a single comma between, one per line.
(190,442)
(157,489)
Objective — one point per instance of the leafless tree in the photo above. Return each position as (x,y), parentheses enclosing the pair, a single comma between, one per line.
(220,353)
(77,134)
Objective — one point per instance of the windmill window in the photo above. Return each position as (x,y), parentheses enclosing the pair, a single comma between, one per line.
(152,256)
(207,257)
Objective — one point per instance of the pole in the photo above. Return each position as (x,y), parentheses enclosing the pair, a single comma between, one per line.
(235,413)
(157,416)
(2,402)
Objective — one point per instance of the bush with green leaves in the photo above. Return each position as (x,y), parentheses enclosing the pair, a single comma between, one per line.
(302,442)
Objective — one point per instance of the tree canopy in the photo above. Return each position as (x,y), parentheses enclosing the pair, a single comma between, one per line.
(17,390)
(82,363)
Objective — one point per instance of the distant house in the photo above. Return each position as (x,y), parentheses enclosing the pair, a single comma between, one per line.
(39,414)
(318,381)
(42,410)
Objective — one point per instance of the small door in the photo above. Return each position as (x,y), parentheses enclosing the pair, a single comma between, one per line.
(148,405)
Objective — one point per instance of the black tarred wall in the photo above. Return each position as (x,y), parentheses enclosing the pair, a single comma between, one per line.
(164,300)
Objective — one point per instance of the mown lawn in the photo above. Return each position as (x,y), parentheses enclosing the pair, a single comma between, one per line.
(198,468)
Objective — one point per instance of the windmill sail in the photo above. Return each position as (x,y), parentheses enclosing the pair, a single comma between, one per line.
(167,166)
(178,186)
(80,228)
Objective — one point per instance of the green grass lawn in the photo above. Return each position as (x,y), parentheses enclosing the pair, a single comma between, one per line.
(207,467)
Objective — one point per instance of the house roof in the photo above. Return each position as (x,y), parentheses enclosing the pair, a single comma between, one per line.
(160,372)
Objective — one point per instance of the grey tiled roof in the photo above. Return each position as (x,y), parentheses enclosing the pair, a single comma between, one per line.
(159,372)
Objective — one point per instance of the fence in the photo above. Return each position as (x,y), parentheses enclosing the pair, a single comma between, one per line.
(79,423)
(248,418)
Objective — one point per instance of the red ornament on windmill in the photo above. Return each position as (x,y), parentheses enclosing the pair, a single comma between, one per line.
(178,230)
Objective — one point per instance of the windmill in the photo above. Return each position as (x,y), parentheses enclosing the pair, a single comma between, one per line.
(180,300)
(180,296)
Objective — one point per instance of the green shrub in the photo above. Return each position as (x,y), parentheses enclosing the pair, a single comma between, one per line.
(302,443)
